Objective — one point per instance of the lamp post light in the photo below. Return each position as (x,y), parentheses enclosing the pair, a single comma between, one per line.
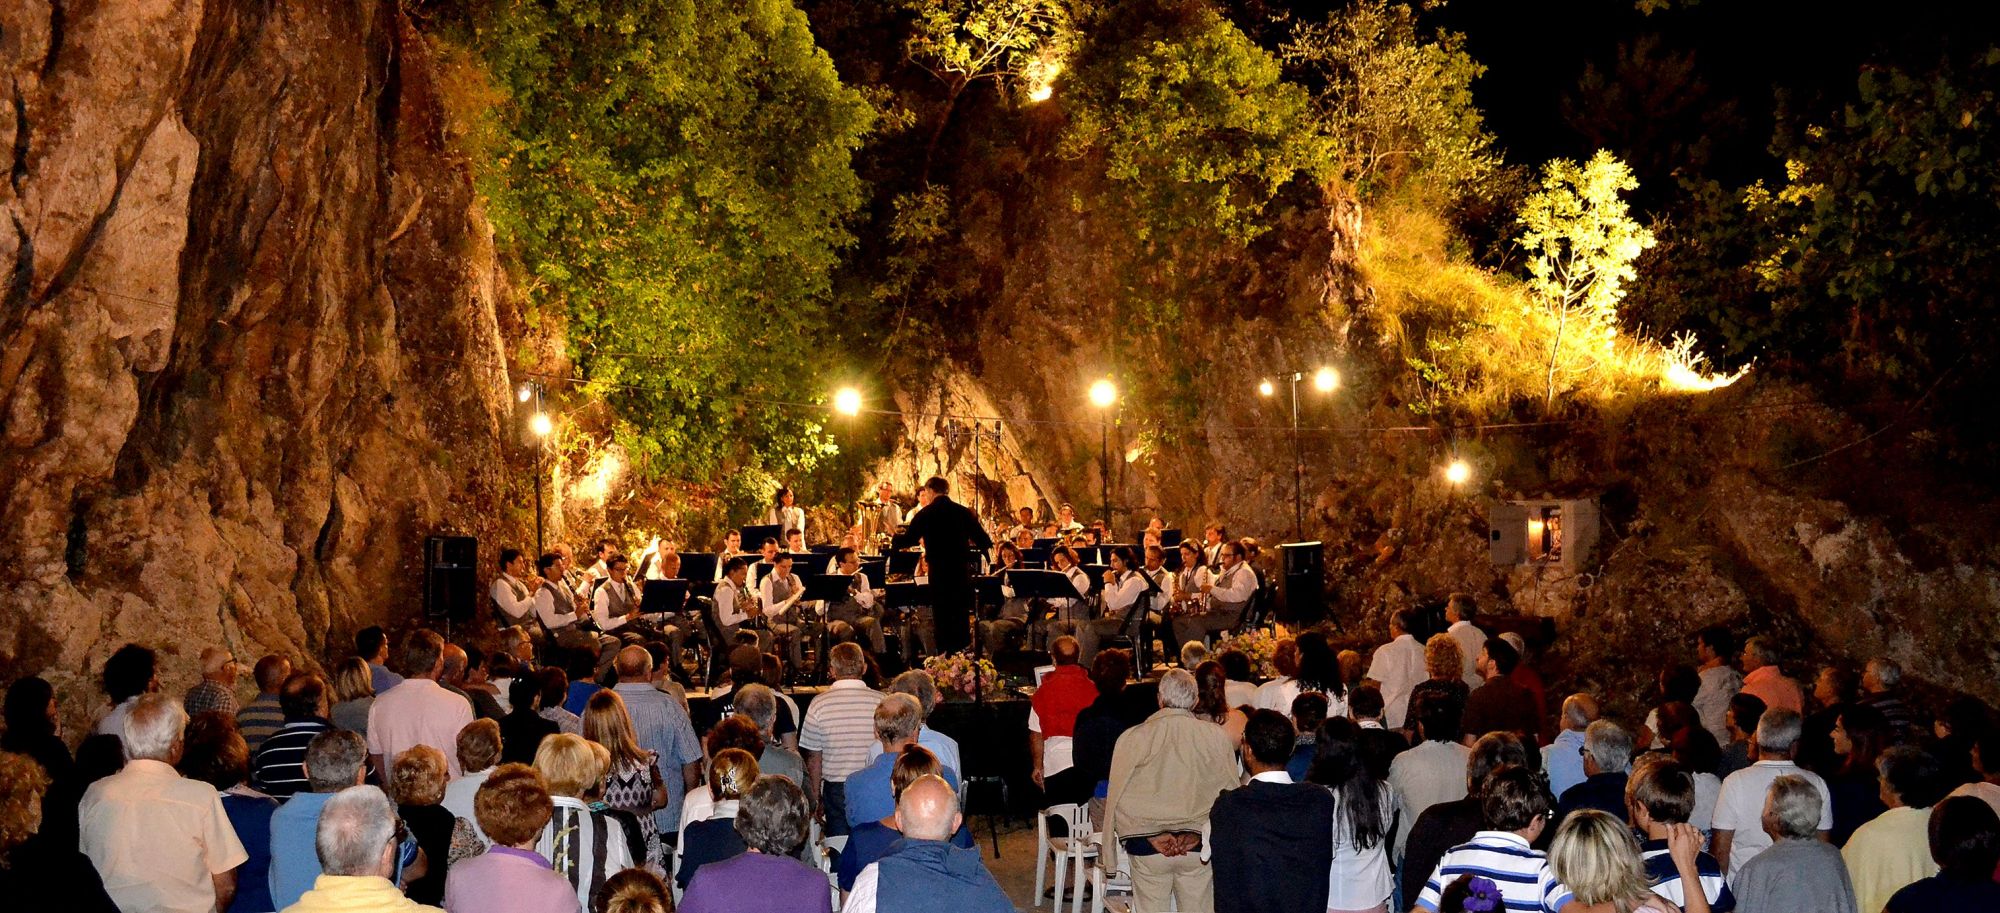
(1104,395)
(1325,380)
(542,426)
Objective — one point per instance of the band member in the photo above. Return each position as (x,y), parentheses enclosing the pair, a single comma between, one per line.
(673,625)
(615,603)
(732,545)
(1213,536)
(784,514)
(1228,593)
(1149,539)
(780,593)
(736,603)
(891,512)
(572,576)
(1024,539)
(649,560)
(768,551)
(859,609)
(1188,581)
(1126,591)
(601,553)
(1067,611)
(1066,520)
(952,536)
(795,541)
(556,607)
(1013,615)
(513,596)
(1024,523)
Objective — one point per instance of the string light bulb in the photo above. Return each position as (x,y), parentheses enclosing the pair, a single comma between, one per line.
(1325,380)
(527,392)
(847,401)
(1103,393)
(1458,472)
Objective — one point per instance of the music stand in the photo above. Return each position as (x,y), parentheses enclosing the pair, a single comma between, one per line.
(804,559)
(663,597)
(1171,559)
(904,563)
(877,572)
(905,541)
(754,535)
(758,571)
(703,589)
(1096,574)
(826,589)
(1170,538)
(699,565)
(1047,542)
(1038,555)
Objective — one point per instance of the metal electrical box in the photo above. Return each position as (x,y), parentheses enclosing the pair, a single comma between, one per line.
(1557,533)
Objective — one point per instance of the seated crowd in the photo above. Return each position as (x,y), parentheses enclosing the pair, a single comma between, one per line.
(1434,776)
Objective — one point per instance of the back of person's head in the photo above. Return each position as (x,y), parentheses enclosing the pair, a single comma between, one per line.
(1178,690)
(1913,775)
(129,672)
(1719,641)
(1065,651)
(1747,710)
(1269,737)
(524,691)
(1468,893)
(1235,665)
(847,661)
(897,718)
(771,817)
(1502,655)
(1309,712)
(334,760)
(734,731)
(1493,751)
(1442,657)
(631,891)
(27,710)
(1664,789)
(1365,703)
(1193,653)
(513,805)
(1512,798)
(214,751)
(1965,839)
(1285,657)
(300,695)
(1793,808)
(555,686)
(1405,620)
(1438,715)
(1110,670)
(153,728)
(928,810)
(352,679)
(568,765)
(99,755)
(1579,711)
(22,785)
(417,776)
(1212,690)
(759,704)
(1887,672)
(937,485)
(634,664)
(356,828)
(918,684)
(368,642)
(580,665)
(1764,649)
(1778,731)
(1696,750)
(730,772)
(1609,744)
(915,763)
(272,670)
(1595,856)
(478,745)
(421,653)
(1463,604)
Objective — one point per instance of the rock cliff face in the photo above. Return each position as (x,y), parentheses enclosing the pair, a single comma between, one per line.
(250,347)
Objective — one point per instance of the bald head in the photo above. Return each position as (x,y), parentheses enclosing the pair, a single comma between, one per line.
(455,662)
(928,810)
(1579,711)
(219,665)
(1065,651)
(634,664)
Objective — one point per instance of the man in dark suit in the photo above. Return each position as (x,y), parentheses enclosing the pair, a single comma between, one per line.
(950,533)
(1271,837)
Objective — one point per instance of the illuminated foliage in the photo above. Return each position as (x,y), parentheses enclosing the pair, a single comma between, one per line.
(1581,242)
(963,41)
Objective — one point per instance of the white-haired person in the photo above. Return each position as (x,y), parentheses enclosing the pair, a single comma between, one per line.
(1799,872)
(160,841)
(357,842)
(1739,834)
(1165,775)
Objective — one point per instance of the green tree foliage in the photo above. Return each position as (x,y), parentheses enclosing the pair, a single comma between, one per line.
(1581,241)
(675,177)
(963,41)
(1398,100)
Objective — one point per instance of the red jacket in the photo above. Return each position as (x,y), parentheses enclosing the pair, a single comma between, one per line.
(1063,693)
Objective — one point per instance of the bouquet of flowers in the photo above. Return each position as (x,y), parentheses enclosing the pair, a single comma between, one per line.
(1260,645)
(956,674)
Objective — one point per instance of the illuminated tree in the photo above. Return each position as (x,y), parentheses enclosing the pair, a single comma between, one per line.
(1581,242)
(963,41)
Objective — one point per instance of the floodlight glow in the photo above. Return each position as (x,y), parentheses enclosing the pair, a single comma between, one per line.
(1326,379)
(1458,473)
(1103,393)
(1264,388)
(847,401)
(541,424)
(527,392)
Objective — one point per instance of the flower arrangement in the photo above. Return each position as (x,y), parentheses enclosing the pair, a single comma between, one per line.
(956,673)
(1260,645)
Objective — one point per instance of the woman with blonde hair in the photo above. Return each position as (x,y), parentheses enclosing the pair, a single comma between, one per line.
(730,774)
(587,845)
(633,891)
(353,694)
(1595,856)
(416,785)
(632,779)
(1443,661)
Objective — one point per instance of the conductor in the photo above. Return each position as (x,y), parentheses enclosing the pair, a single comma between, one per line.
(950,533)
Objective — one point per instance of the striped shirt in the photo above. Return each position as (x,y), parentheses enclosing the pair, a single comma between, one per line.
(280,766)
(1523,874)
(1667,880)
(840,724)
(586,847)
(259,720)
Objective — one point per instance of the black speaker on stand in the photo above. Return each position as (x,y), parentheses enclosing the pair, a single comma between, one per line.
(451,585)
(1303,585)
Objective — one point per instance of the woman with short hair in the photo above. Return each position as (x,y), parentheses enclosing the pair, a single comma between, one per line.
(213,751)
(772,823)
(586,845)
(416,785)
(353,694)
(1444,662)
(37,872)
(512,807)
(730,773)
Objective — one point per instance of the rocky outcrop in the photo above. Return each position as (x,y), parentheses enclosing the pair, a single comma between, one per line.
(250,347)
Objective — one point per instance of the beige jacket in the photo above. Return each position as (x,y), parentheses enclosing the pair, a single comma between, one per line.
(1165,775)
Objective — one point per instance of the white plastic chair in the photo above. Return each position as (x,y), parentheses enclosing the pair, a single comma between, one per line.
(1069,812)
(1072,853)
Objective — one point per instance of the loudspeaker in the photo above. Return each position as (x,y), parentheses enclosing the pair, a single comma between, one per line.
(1303,585)
(451,585)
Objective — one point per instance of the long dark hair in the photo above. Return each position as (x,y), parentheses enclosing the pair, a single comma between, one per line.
(1211,700)
(28,713)
(1337,766)
(1319,666)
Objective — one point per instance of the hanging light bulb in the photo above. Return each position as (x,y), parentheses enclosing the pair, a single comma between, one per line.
(1264,388)
(1458,472)
(1326,379)
(847,401)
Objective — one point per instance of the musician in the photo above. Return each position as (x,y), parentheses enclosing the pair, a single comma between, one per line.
(952,536)
(1228,592)
(615,602)
(1213,536)
(1025,524)
(601,553)
(1066,611)
(673,625)
(558,610)
(512,596)
(1188,581)
(572,576)
(1066,520)
(1125,591)
(784,514)
(1024,539)
(1013,616)
(732,545)
(780,593)
(795,541)
(736,603)
(891,513)
(860,608)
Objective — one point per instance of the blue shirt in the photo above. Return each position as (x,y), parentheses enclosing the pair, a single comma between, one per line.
(294,850)
(579,696)
(1565,761)
(381,679)
(664,729)
(871,795)
(1301,762)
(944,746)
(250,816)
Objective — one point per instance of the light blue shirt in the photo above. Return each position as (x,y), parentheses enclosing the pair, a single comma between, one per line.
(1563,759)
(871,794)
(382,680)
(664,729)
(944,746)
(294,851)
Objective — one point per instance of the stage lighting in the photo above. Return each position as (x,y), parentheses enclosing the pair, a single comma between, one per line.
(847,401)
(1103,393)
(1264,388)
(1458,472)
(1326,379)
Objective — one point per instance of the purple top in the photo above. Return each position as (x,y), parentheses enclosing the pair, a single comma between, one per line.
(756,883)
(505,879)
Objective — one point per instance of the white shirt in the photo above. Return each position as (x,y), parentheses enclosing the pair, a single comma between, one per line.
(1234,585)
(1707,789)
(1358,879)
(1740,808)
(603,610)
(1058,751)
(774,606)
(1237,694)
(1272,776)
(1430,773)
(1169,583)
(788,519)
(1470,641)
(157,838)
(114,719)
(861,899)
(733,606)
(417,712)
(555,605)
(515,598)
(1278,694)
(458,796)
(1397,668)
(1121,595)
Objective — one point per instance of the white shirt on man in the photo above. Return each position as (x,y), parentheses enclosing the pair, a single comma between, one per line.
(514,597)
(1424,776)
(1278,694)
(417,712)
(791,587)
(1120,595)
(1740,808)
(157,838)
(732,605)
(1234,585)
(612,601)
(1470,641)
(555,605)
(1397,668)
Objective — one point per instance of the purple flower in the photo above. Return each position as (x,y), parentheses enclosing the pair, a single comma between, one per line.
(1482,896)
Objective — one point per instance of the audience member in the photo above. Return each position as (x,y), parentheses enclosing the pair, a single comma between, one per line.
(416,783)
(1099,725)
(511,806)
(1320,672)
(334,761)
(1267,831)
(1459,612)
(918,684)
(1237,688)
(1836,689)
(372,645)
(1165,774)
(635,890)
(555,692)
(870,794)
(1278,693)
(1498,703)
(1716,648)
(1448,824)
(1763,678)
(1986,767)
(760,704)
(1515,803)
(418,711)
(1677,686)
(1433,770)
(1739,836)
(478,751)
(924,872)
(1562,758)
(1308,715)
(131,671)
(1397,668)
(1441,661)
(581,667)
(357,845)
(1607,759)
(280,766)
(1797,871)
(1964,837)
(33,728)
(1212,702)
(215,754)
(353,694)
(1956,731)
(37,873)
(1893,850)
(1193,653)
(633,782)
(1745,710)
(714,838)
(764,878)
(524,727)
(1660,798)
(1358,875)
(838,731)
(1524,675)
(661,726)
(1594,856)
(870,840)
(161,842)
(1062,694)
(454,678)
(1860,735)
(585,845)
(1695,750)
(1379,744)
(217,688)
(734,731)
(1881,681)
